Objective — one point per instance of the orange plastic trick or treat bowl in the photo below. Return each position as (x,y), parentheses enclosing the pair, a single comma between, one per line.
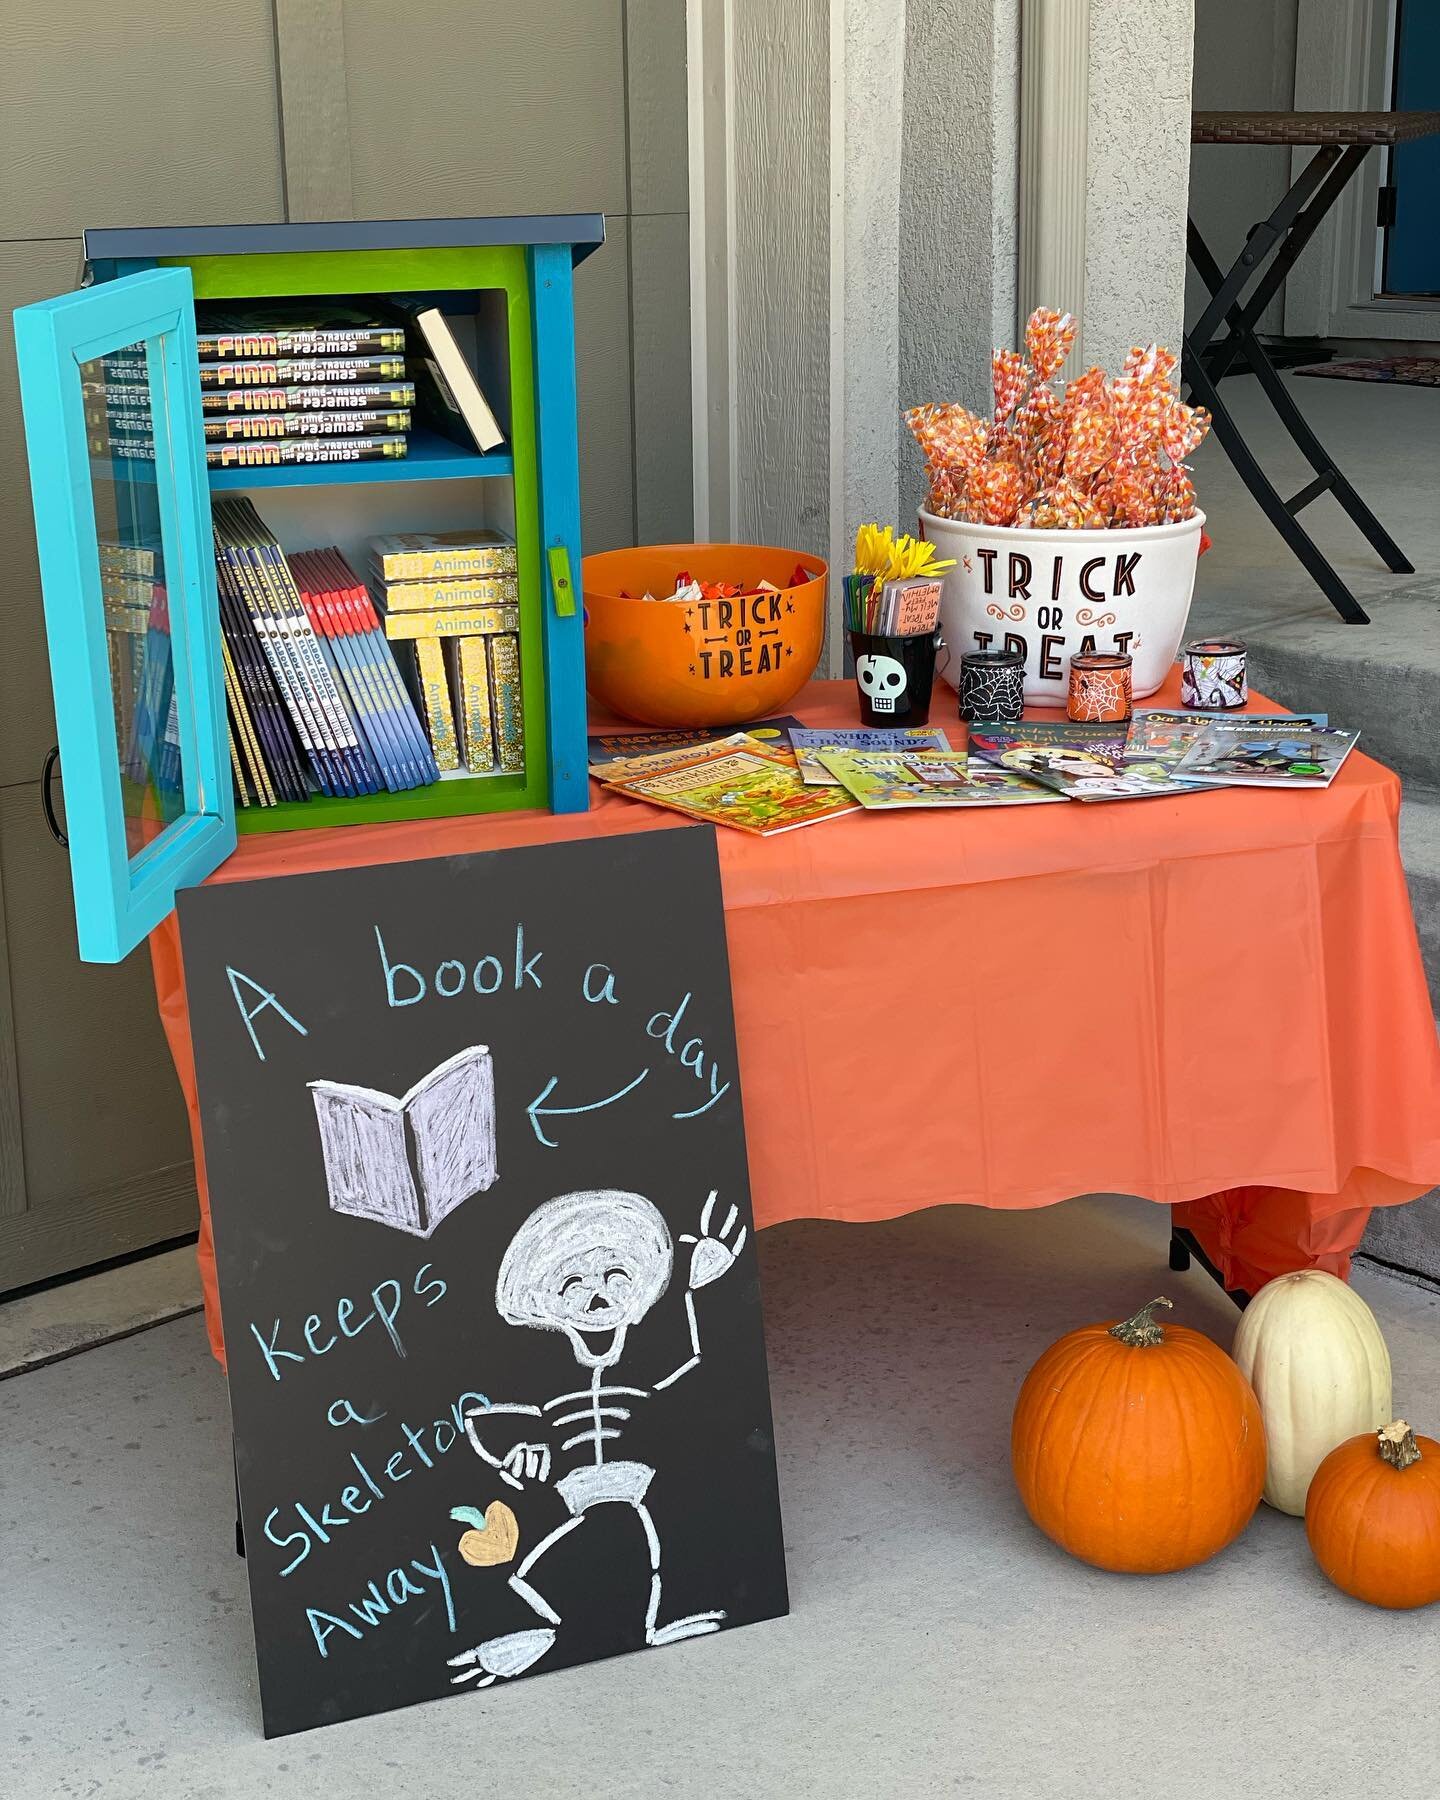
(702,661)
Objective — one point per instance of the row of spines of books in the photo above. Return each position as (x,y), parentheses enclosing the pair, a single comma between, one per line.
(268,412)
(450,605)
(343,619)
(301,710)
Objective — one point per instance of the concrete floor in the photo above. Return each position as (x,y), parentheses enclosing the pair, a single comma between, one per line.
(938,1644)
(1384,439)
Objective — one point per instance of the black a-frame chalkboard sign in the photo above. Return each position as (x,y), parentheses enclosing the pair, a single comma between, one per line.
(477,1169)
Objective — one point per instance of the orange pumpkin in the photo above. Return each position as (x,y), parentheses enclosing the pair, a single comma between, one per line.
(1372,1516)
(1138,1447)
(707,662)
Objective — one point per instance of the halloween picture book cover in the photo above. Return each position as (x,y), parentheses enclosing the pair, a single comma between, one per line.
(1164,737)
(756,789)
(884,780)
(1083,762)
(1266,755)
(608,750)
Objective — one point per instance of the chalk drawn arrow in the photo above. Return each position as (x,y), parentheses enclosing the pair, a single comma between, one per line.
(537,1109)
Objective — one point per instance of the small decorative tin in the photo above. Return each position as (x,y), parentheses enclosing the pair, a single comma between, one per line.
(1212,678)
(992,687)
(1099,687)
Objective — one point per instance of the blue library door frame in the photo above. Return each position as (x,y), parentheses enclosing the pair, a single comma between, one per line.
(120,897)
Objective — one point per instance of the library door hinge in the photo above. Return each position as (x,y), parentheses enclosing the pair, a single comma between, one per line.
(1385,206)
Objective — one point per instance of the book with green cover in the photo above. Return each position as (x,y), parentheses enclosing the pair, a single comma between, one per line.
(884,780)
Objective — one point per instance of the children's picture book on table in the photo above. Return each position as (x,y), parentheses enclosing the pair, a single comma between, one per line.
(1083,762)
(808,742)
(1158,736)
(1237,753)
(741,782)
(887,780)
(608,750)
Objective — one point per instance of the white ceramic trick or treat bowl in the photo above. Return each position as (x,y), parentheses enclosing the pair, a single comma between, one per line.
(1053,594)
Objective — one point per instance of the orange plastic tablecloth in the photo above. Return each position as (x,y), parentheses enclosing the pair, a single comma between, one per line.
(1216,1002)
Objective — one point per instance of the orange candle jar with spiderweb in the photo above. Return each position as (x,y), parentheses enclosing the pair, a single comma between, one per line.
(1099,688)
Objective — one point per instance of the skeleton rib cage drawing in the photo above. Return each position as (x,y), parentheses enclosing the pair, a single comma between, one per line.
(590,1265)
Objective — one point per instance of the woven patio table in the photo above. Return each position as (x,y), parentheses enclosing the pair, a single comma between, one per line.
(1342,140)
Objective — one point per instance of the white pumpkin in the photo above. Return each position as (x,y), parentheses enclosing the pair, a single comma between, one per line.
(1312,1351)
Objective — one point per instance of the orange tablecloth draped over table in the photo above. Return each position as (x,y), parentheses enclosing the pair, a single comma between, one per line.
(1215,1002)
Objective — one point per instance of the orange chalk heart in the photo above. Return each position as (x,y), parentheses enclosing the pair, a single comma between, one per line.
(497,1543)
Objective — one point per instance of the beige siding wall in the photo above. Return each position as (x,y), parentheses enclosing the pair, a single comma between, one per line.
(138,112)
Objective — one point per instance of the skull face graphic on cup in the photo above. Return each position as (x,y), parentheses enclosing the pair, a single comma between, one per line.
(882,679)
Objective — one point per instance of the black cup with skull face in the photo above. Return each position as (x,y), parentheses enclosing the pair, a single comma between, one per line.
(893,676)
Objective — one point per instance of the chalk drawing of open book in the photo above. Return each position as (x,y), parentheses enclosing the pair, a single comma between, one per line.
(410,1162)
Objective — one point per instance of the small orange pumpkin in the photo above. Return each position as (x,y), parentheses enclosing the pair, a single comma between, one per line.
(1372,1516)
(1138,1448)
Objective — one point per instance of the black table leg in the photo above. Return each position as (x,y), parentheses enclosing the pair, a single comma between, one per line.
(1184,1246)
(1278,241)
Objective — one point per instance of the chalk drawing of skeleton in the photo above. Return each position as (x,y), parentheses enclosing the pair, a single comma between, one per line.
(590,1265)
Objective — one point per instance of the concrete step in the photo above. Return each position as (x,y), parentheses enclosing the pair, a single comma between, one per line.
(1383,678)
(1420,852)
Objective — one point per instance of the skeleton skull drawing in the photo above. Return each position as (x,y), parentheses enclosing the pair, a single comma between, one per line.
(883,680)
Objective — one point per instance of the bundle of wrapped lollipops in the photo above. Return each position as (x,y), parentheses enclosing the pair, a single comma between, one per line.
(1100,452)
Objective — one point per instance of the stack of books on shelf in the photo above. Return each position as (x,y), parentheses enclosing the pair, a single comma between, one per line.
(279,387)
(449,602)
(314,699)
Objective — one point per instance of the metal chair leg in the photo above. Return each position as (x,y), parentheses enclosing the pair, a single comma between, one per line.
(1268,496)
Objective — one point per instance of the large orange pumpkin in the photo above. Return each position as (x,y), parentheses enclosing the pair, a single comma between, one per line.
(1372,1516)
(1138,1447)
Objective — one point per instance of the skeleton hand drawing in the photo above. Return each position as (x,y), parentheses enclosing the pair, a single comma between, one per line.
(712,1256)
(590,1265)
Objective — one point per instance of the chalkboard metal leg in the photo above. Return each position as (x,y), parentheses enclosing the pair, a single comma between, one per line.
(1184,1244)
(239,1528)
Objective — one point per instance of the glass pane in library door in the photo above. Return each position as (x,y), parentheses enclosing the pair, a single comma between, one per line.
(119,425)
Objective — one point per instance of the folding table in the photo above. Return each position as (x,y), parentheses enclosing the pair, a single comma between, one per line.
(1342,140)
(1215,1001)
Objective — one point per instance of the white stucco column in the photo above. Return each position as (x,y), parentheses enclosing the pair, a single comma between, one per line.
(1105,168)
(958,193)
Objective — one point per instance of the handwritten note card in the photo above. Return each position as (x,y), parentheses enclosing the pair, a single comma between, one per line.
(487,1272)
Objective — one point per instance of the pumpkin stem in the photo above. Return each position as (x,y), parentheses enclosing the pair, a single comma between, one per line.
(1397,1444)
(1141,1330)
